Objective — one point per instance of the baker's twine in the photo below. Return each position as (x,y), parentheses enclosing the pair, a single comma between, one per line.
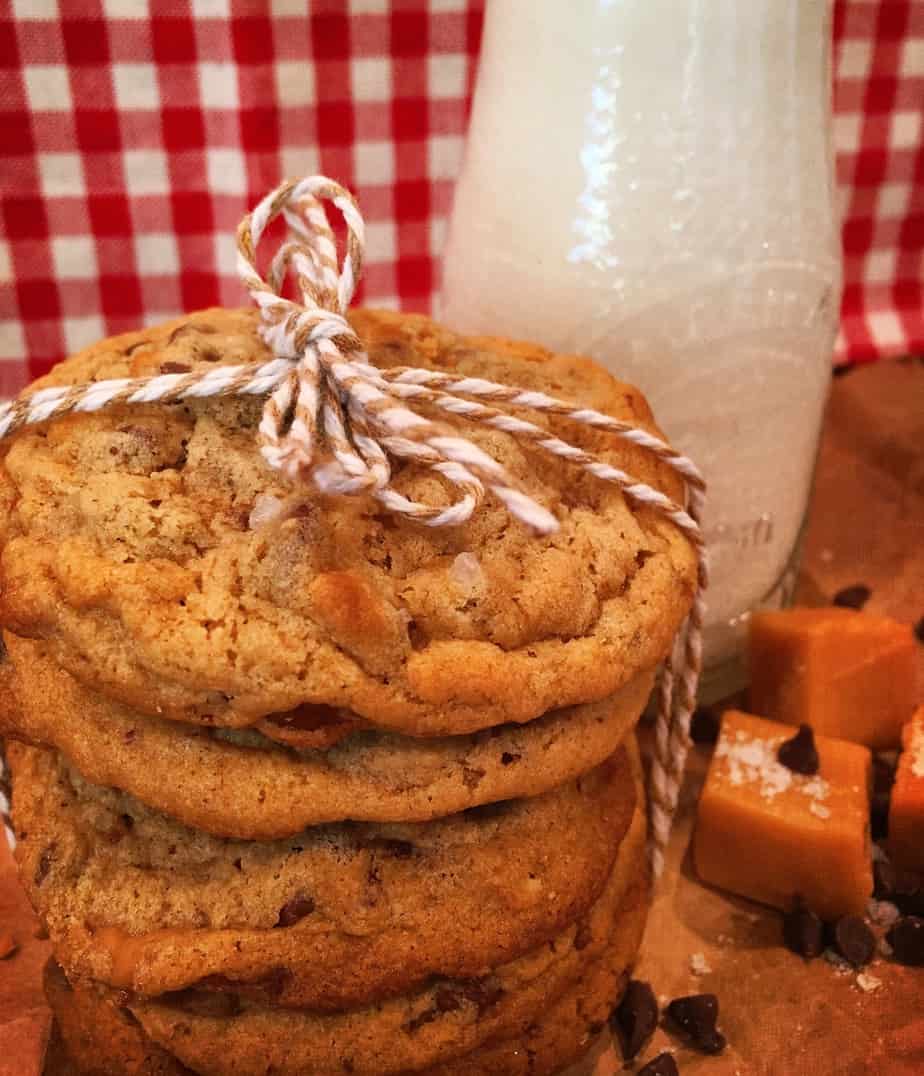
(332,417)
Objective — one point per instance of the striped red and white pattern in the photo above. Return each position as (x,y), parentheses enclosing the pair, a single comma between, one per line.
(136,134)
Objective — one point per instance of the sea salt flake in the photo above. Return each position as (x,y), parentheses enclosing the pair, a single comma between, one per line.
(699,965)
(266,509)
(868,983)
(816,787)
(819,810)
(753,760)
(466,572)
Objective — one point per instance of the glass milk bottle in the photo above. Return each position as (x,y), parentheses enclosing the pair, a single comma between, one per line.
(649,182)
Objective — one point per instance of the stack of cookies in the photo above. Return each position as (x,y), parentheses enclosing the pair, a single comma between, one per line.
(301,787)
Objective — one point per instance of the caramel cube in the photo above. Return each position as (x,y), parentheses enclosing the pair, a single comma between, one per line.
(906,809)
(845,673)
(767,833)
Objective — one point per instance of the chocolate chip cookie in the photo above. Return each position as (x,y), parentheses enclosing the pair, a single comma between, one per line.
(441,1025)
(335,916)
(168,567)
(240,783)
(99,1024)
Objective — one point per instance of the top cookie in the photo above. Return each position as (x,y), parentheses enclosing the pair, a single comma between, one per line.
(169,567)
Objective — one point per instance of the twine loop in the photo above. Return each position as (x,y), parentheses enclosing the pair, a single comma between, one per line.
(333,418)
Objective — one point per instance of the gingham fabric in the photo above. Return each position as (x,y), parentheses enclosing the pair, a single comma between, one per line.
(135,135)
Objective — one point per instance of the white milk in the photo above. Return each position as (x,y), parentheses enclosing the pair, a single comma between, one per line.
(649,182)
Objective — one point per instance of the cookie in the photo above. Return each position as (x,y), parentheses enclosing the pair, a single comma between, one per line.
(335,916)
(555,1039)
(445,1021)
(237,783)
(99,1037)
(96,1026)
(169,568)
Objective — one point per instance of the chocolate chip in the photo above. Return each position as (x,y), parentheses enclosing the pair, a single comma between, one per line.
(919,630)
(417,637)
(583,936)
(713,1042)
(642,556)
(174,368)
(507,758)
(44,864)
(481,993)
(635,1018)
(854,940)
(907,940)
(696,1016)
(662,1065)
(471,776)
(447,1000)
(426,1016)
(854,597)
(803,930)
(705,725)
(294,910)
(799,754)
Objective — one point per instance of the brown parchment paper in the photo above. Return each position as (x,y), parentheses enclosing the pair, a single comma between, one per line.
(782,1016)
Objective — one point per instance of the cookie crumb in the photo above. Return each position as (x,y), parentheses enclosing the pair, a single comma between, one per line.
(699,965)
(8,945)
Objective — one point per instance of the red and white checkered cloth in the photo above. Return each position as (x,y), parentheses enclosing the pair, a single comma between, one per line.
(135,135)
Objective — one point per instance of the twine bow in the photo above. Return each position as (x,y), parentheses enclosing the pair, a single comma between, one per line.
(332,417)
